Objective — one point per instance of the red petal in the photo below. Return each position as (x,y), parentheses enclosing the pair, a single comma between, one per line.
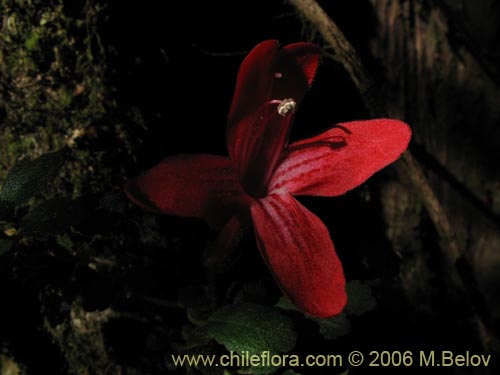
(341,158)
(259,147)
(307,57)
(299,252)
(253,86)
(269,73)
(204,186)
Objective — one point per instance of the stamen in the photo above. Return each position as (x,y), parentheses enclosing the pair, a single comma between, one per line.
(286,106)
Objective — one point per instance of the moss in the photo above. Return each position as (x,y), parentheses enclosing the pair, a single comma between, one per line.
(8,366)
(54,93)
(53,89)
(82,343)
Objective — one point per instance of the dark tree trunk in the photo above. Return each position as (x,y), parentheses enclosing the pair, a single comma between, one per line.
(439,73)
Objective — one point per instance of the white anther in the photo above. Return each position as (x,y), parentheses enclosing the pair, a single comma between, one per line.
(286,106)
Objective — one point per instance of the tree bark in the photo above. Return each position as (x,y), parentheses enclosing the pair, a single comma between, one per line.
(448,91)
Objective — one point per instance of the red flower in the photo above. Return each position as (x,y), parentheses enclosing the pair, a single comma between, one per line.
(263,172)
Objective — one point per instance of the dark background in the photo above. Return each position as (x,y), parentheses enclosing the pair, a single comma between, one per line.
(158,78)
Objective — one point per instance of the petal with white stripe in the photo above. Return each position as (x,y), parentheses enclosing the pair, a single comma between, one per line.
(341,158)
(297,248)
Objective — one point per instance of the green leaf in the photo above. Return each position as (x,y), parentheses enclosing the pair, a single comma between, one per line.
(359,298)
(285,304)
(251,328)
(330,328)
(32,41)
(334,327)
(52,216)
(30,177)
(65,241)
(290,372)
(5,245)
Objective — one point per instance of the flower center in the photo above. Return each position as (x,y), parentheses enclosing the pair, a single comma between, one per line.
(286,106)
